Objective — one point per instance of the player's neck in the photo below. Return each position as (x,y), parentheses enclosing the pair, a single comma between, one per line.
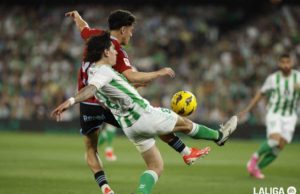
(286,74)
(102,62)
(116,35)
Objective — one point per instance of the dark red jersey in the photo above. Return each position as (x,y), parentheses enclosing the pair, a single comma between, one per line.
(121,65)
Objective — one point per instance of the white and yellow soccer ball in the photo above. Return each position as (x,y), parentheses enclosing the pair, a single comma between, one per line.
(184,103)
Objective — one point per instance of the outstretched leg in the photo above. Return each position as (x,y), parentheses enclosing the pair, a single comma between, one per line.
(198,131)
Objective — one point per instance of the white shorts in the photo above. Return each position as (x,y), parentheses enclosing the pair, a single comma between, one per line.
(284,125)
(154,121)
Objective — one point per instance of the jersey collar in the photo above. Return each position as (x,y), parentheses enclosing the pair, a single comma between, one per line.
(114,38)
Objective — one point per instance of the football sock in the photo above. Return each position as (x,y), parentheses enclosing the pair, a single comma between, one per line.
(147,181)
(203,132)
(267,146)
(267,159)
(100,178)
(179,146)
(110,134)
(186,151)
(102,137)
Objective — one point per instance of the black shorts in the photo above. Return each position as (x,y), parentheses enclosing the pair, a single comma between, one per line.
(93,116)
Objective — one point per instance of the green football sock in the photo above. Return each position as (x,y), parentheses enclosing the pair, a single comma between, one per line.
(267,159)
(264,148)
(102,137)
(203,132)
(110,134)
(147,181)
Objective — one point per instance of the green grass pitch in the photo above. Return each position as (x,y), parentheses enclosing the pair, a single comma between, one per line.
(54,164)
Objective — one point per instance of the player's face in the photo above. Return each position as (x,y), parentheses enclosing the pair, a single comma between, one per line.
(285,65)
(112,55)
(127,34)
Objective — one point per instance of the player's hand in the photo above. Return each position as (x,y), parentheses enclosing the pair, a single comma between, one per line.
(57,112)
(167,72)
(241,115)
(74,14)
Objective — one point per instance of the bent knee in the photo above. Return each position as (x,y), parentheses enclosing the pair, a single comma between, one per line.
(282,143)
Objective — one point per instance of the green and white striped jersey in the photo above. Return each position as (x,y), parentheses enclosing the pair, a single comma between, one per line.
(117,94)
(281,92)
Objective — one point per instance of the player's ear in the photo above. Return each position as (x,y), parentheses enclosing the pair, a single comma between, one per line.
(122,29)
(105,53)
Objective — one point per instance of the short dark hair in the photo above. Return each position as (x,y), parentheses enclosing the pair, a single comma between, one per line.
(96,45)
(120,18)
(284,55)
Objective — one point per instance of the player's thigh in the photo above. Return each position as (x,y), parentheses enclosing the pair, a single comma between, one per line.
(142,142)
(91,140)
(282,143)
(183,125)
(91,118)
(275,136)
(153,159)
(273,124)
(288,128)
(155,121)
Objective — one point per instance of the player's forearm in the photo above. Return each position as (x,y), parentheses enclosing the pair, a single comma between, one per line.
(254,101)
(142,77)
(80,23)
(85,93)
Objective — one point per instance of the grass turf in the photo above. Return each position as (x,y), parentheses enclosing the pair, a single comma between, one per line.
(54,163)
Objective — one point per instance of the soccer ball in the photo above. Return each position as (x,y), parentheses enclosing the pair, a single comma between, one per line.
(184,103)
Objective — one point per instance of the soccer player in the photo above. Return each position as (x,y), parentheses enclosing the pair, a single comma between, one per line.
(92,114)
(282,90)
(107,136)
(137,118)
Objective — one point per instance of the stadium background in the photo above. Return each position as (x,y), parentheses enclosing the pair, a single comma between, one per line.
(220,50)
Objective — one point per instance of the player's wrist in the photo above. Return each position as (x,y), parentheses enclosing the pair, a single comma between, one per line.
(71,101)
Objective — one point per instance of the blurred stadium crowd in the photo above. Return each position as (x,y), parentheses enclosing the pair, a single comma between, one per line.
(217,54)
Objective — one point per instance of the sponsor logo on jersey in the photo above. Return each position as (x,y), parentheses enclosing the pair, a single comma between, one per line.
(87,118)
(126,61)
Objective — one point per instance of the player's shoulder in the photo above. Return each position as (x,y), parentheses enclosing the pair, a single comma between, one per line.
(101,68)
(87,32)
(273,75)
(105,68)
(296,71)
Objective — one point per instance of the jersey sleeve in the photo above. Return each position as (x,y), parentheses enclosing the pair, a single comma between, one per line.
(99,76)
(268,85)
(88,32)
(122,63)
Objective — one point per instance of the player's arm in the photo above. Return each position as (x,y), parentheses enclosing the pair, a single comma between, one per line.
(267,86)
(142,78)
(80,23)
(84,94)
(258,96)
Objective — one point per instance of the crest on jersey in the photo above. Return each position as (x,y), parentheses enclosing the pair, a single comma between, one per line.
(286,92)
(126,61)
